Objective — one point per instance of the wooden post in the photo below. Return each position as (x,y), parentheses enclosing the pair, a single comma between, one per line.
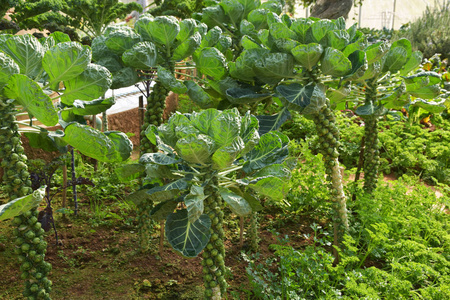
(241,233)
(161,239)
(141,114)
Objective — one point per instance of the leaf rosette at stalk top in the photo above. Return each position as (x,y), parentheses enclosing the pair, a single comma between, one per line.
(196,148)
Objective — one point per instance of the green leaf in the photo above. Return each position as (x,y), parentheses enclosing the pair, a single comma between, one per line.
(308,99)
(245,96)
(122,144)
(99,49)
(273,67)
(93,107)
(273,6)
(286,45)
(359,65)
(319,30)
(233,10)
(55,38)
(47,140)
(211,38)
(21,205)
(91,142)
(198,95)
(65,61)
(121,40)
(247,28)
(423,85)
(258,18)
(339,95)
(249,43)
(187,48)
(376,51)
(281,31)
(372,70)
(271,123)
(92,83)
(30,95)
(237,203)
(276,170)
(129,172)
(223,44)
(337,39)
(395,59)
(138,197)
(272,187)
(349,49)
(187,28)
(112,63)
(301,27)
(158,158)
(142,56)
(162,30)
(434,107)
(308,55)
(225,127)
(213,16)
(186,237)
(271,149)
(227,154)
(8,67)
(26,51)
(168,191)
(371,110)
(413,62)
(245,64)
(169,81)
(211,62)
(249,131)
(162,210)
(195,148)
(202,119)
(123,78)
(194,202)
(249,5)
(334,63)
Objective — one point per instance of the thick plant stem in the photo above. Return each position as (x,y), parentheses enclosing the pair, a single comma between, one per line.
(328,143)
(156,103)
(145,225)
(253,232)
(214,253)
(30,245)
(371,153)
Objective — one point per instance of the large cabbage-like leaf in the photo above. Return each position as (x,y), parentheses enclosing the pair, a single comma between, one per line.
(258,18)
(308,55)
(281,31)
(195,149)
(233,10)
(185,237)
(142,56)
(359,65)
(270,186)
(8,67)
(273,122)
(319,30)
(162,30)
(187,28)
(194,202)
(121,39)
(413,62)
(423,85)
(198,95)
(21,205)
(211,62)
(249,132)
(30,95)
(434,107)
(273,67)
(160,212)
(213,16)
(237,203)
(124,77)
(128,172)
(211,38)
(122,143)
(307,99)
(227,154)
(334,63)
(376,51)
(225,127)
(82,108)
(370,109)
(271,149)
(91,84)
(26,51)
(92,143)
(168,191)
(202,119)
(158,158)
(65,61)
(187,48)
(245,96)
(337,39)
(169,81)
(302,27)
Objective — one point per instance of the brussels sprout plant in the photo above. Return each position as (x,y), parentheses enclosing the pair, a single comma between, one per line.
(200,154)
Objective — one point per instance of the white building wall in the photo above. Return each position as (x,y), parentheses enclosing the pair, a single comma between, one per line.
(379,13)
